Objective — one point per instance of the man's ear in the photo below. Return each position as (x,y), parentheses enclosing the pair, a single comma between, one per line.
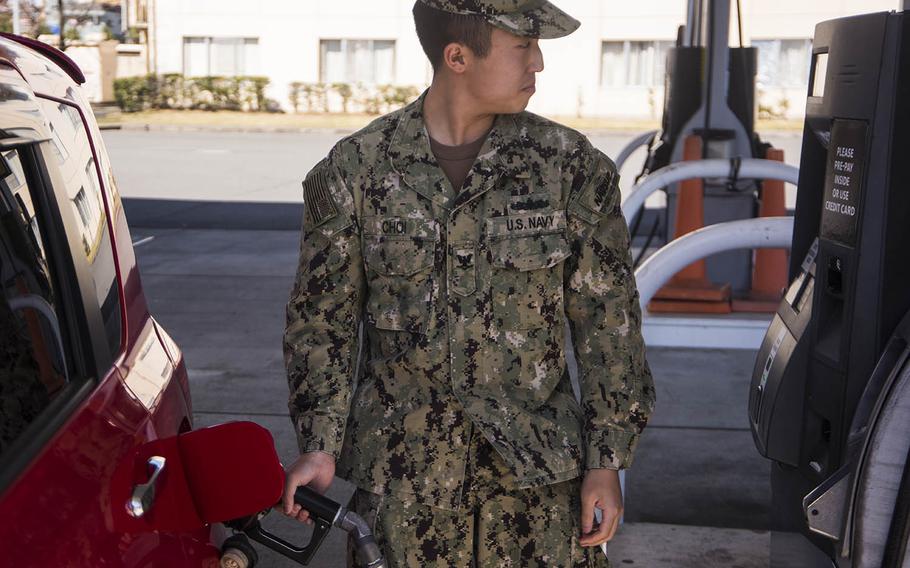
(455,57)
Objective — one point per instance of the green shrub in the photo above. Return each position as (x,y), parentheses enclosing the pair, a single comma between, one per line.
(344,91)
(378,99)
(397,97)
(132,93)
(369,99)
(174,91)
(295,94)
(255,89)
(316,95)
(71,34)
(169,91)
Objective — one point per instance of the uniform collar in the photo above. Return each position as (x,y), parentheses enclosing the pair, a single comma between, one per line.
(413,160)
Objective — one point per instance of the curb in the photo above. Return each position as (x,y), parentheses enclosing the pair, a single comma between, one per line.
(227,129)
(139,127)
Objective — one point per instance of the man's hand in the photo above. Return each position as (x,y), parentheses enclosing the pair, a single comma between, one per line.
(600,489)
(316,469)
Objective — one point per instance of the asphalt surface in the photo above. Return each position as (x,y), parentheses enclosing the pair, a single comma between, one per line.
(217,277)
(190,178)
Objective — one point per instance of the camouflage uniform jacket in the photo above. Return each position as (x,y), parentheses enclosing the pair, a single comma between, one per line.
(464,296)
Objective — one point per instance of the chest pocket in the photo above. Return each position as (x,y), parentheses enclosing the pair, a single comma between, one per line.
(399,254)
(526,252)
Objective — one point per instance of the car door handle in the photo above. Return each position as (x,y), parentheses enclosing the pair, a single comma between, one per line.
(144,494)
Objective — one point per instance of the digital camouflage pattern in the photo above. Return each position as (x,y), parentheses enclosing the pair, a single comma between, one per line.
(527,18)
(496,526)
(464,297)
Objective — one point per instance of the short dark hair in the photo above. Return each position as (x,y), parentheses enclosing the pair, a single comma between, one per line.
(437,28)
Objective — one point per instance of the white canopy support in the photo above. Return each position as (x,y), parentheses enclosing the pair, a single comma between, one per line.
(751,168)
(763,232)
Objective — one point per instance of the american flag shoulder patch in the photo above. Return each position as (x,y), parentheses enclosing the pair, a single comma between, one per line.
(318,204)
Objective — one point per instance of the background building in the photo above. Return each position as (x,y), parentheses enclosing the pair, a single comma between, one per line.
(612,67)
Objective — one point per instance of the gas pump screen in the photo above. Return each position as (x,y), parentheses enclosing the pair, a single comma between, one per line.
(844,181)
(820,64)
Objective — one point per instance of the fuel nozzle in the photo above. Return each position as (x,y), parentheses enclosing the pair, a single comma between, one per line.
(325,514)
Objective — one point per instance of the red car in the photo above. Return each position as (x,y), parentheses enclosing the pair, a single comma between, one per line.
(86,374)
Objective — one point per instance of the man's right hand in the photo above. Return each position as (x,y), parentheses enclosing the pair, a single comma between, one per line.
(316,469)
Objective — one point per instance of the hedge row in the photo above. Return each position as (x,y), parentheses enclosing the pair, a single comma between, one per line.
(344,97)
(174,91)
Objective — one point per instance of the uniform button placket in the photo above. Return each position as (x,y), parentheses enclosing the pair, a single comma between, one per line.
(451,334)
(449,329)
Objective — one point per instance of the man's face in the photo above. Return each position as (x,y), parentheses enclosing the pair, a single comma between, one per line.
(503,82)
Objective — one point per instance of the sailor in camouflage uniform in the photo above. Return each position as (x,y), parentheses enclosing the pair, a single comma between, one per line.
(460,427)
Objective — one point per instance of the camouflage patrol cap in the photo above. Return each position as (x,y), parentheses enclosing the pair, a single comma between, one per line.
(528,18)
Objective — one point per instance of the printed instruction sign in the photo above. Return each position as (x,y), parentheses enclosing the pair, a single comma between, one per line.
(844,181)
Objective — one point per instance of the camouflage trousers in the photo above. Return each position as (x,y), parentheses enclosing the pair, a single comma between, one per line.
(497,525)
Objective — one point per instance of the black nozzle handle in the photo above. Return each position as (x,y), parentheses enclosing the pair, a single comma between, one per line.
(325,513)
(319,506)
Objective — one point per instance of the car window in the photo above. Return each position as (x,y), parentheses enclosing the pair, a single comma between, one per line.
(77,166)
(34,367)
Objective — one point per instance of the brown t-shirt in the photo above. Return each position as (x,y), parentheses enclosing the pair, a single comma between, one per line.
(456,161)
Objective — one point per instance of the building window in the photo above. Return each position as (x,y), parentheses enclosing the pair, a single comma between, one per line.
(633,63)
(783,62)
(82,207)
(369,61)
(220,56)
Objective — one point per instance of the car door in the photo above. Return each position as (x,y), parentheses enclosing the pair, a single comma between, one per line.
(70,418)
(151,364)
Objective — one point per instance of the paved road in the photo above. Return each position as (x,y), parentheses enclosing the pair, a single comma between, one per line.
(262,167)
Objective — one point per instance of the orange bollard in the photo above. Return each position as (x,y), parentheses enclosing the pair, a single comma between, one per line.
(690,291)
(769,273)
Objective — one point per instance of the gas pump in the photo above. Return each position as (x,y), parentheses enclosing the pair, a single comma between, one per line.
(710,93)
(830,394)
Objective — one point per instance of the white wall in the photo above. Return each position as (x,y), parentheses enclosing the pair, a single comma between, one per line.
(131,60)
(98,62)
(289,32)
